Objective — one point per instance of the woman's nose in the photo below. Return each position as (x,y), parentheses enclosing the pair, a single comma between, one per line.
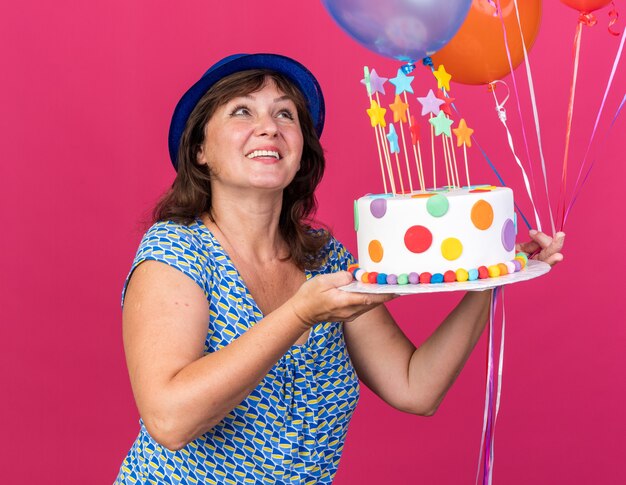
(266,125)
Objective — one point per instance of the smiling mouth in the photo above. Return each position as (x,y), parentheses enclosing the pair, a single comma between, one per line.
(264,154)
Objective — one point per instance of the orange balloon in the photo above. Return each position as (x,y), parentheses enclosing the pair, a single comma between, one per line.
(477,53)
(586,6)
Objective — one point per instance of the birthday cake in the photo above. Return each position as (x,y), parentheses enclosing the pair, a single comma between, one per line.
(448,235)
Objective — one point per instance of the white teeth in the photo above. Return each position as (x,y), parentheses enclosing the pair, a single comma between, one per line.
(263,153)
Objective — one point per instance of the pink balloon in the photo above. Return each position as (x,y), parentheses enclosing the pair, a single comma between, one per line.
(586,6)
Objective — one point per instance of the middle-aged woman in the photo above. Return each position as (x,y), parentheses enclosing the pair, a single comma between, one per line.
(244,356)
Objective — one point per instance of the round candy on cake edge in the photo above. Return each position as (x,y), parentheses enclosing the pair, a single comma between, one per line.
(436,278)
(510,267)
(425,277)
(494,271)
(463,275)
(449,276)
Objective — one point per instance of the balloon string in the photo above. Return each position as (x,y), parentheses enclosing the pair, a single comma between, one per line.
(428,62)
(502,115)
(568,126)
(533,99)
(577,193)
(577,188)
(517,98)
(500,179)
(492,401)
(489,380)
(500,370)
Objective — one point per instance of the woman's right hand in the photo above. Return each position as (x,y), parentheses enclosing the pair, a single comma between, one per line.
(320,300)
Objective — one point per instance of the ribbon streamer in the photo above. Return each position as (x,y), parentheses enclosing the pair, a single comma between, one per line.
(613,15)
(502,115)
(517,98)
(570,113)
(577,192)
(533,100)
(577,188)
(492,403)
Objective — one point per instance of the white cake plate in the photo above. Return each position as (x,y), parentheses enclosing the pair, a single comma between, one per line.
(533,270)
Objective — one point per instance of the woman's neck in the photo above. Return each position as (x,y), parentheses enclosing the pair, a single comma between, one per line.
(249,224)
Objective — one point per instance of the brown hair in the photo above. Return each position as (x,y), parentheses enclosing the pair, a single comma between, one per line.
(190,194)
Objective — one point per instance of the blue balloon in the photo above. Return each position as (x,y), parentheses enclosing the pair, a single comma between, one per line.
(407,30)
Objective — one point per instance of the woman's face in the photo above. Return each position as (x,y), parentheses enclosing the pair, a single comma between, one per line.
(254,141)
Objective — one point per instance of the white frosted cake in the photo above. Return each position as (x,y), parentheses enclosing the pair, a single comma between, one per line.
(446,235)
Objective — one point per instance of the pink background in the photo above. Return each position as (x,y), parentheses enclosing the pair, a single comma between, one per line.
(87,92)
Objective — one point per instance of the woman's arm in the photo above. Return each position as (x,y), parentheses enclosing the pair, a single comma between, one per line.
(416,380)
(181,393)
(411,379)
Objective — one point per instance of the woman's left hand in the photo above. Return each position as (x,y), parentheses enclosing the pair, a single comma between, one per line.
(543,247)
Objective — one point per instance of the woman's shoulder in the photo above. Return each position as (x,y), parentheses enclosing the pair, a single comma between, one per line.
(178,245)
(174,235)
(181,245)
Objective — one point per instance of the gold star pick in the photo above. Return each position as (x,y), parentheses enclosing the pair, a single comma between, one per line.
(443,78)
(376,114)
(463,134)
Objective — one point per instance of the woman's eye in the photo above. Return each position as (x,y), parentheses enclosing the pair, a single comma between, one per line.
(285,113)
(240,111)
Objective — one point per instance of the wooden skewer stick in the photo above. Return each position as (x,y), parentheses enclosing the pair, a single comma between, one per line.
(432,150)
(386,151)
(380,159)
(418,160)
(420,166)
(366,78)
(406,157)
(466,169)
(446,157)
(456,169)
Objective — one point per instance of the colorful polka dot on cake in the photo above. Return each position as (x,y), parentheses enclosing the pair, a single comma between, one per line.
(508,235)
(418,239)
(375,250)
(437,205)
(482,215)
(378,208)
(451,248)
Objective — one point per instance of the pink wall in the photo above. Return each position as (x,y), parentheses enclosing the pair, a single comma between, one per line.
(87,91)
